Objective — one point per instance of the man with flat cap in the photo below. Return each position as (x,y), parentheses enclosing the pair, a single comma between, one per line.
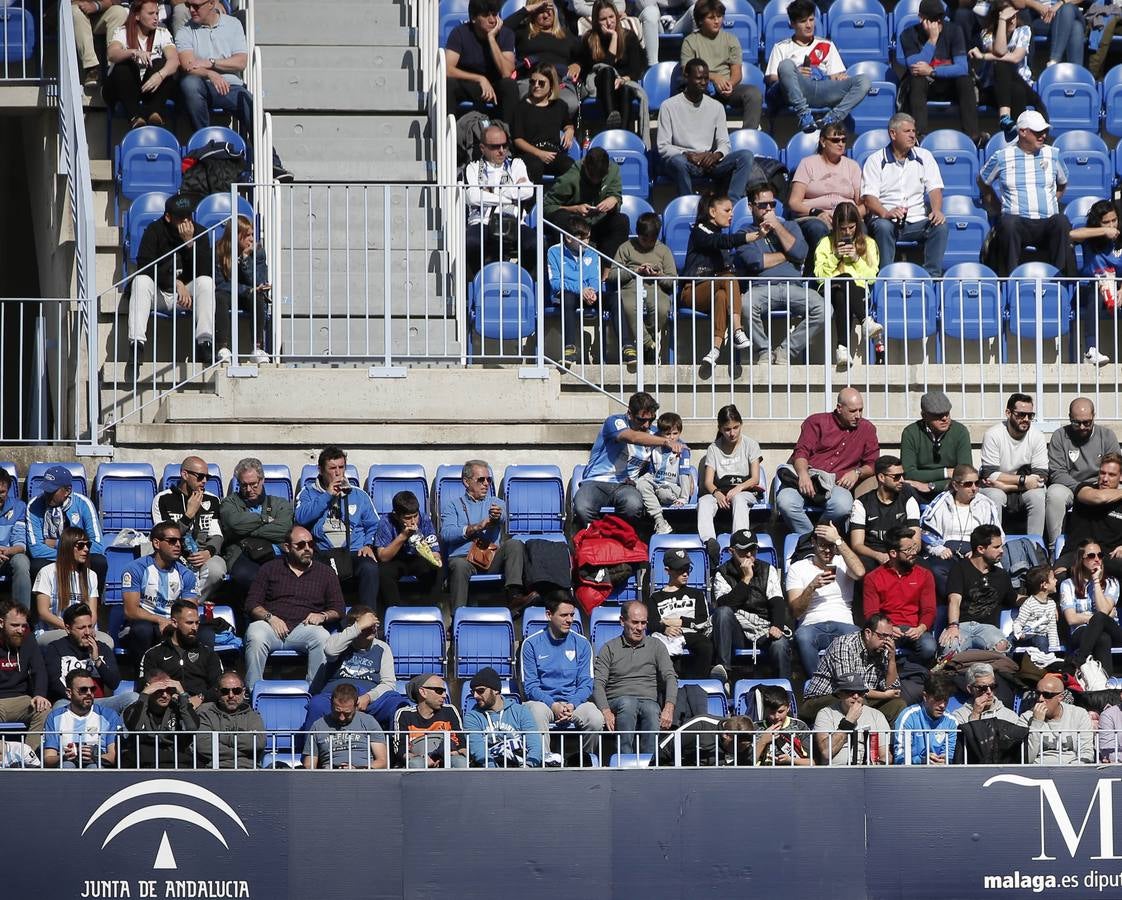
(931,447)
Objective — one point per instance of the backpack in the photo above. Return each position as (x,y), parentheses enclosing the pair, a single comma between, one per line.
(773,173)
(212,169)
(469,134)
(1021,554)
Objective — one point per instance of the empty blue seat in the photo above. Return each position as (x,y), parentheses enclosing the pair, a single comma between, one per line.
(604,626)
(633,207)
(37,470)
(416,637)
(957,158)
(967,227)
(214,210)
(867,143)
(759,142)
(310,473)
(660,544)
(204,136)
(142,212)
(1112,101)
(1077,210)
(972,307)
(906,301)
(750,73)
(383,481)
(502,303)
(124,493)
(118,559)
(714,693)
(534,620)
(1052,318)
(879,104)
(1071,95)
(860,29)
(627,150)
(1090,165)
(283,706)
(535,499)
(658,83)
(17,39)
(799,146)
(484,637)
(452,13)
(677,221)
(213,483)
(147,159)
(741,20)
(744,696)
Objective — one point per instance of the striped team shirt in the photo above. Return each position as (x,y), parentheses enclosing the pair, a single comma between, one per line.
(1028,181)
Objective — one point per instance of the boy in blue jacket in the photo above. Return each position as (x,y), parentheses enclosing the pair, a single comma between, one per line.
(574,279)
(500,735)
(925,734)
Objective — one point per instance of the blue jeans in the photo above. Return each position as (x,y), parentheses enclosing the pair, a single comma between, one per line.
(592,495)
(798,301)
(200,97)
(922,651)
(933,237)
(1067,34)
(18,570)
(802,94)
(812,639)
(729,636)
(977,636)
(792,506)
(636,714)
(261,640)
(737,166)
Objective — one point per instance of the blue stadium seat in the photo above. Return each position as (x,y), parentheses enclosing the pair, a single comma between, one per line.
(502,303)
(118,559)
(226,614)
(204,136)
(283,706)
(37,470)
(776,27)
(691,543)
(484,637)
(452,13)
(744,697)
(626,149)
(278,481)
(633,207)
(751,73)
(879,104)
(310,473)
(658,82)
(967,227)
(604,626)
(714,692)
(147,159)
(1054,316)
(17,37)
(759,142)
(1089,164)
(214,209)
(510,7)
(741,20)
(799,146)
(1077,210)
(416,636)
(957,158)
(1112,101)
(906,301)
(994,144)
(533,620)
(972,308)
(142,212)
(124,494)
(383,481)
(629,760)
(449,477)
(860,29)
(867,143)
(904,16)
(677,222)
(213,482)
(1071,95)
(535,500)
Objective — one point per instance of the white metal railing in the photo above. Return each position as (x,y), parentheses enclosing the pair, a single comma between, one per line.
(22,41)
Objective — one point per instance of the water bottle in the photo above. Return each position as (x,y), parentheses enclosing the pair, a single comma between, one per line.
(878,351)
(586,142)
(190,545)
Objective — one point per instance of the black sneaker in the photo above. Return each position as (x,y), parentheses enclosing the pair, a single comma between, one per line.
(629,354)
(204,352)
(714,550)
(281,174)
(136,360)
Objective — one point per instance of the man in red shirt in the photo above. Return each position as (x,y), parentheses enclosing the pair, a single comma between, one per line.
(835,451)
(905,593)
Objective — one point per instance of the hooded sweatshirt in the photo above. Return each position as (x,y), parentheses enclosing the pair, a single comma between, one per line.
(503,739)
(239,735)
(22,671)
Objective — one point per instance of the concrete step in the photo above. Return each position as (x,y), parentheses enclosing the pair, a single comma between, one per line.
(353,148)
(344,23)
(354,216)
(341,79)
(363,340)
(357,281)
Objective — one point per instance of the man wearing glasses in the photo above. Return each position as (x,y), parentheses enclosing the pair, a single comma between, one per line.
(892,504)
(1074,454)
(497,186)
(188,503)
(476,518)
(239,727)
(290,603)
(183,656)
(931,447)
(429,734)
(160,727)
(253,522)
(151,585)
(905,593)
(1015,464)
(981,684)
(1059,733)
(82,734)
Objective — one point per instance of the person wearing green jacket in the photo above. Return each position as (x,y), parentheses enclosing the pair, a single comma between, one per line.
(933,446)
(250,518)
(593,189)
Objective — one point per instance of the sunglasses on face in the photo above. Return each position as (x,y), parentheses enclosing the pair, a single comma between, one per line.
(968,484)
(539,82)
(836,140)
(479,690)
(83,690)
(202,476)
(895,476)
(765,204)
(171,540)
(302,545)
(645,419)
(165,692)
(81,545)
(1093,554)
(983,689)
(1082,423)
(1050,695)
(501,146)
(439,688)
(230,691)
(1024,415)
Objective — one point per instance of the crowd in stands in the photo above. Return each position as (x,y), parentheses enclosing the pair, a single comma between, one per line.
(846,219)
(905,586)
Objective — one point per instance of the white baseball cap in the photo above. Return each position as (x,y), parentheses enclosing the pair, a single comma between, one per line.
(1032,120)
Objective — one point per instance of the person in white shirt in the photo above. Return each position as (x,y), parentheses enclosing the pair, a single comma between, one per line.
(820,594)
(807,71)
(1015,464)
(498,185)
(141,70)
(903,191)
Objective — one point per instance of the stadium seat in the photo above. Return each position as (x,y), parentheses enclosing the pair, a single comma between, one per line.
(860,30)
(213,482)
(535,500)
(967,227)
(957,158)
(533,620)
(714,691)
(744,696)
(214,209)
(502,303)
(972,308)
(604,625)
(741,20)
(1071,95)
(751,73)
(118,559)
(484,637)
(124,494)
(994,144)
(310,473)
(776,27)
(383,481)
(660,544)
(868,142)
(416,637)
(1076,211)
(147,159)
(142,212)
(452,13)
(204,136)
(510,7)
(658,82)
(629,760)
(1112,101)
(626,149)
(879,104)
(449,477)
(37,470)
(633,207)
(1089,164)
(906,302)
(677,221)
(283,706)
(278,481)
(904,16)
(17,38)
(799,146)
(759,142)
(1053,318)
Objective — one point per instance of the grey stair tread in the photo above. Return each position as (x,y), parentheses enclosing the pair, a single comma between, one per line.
(337,216)
(347,22)
(341,79)
(421,338)
(353,148)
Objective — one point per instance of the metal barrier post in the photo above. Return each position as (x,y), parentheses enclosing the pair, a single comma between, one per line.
(538,369)
(387,369)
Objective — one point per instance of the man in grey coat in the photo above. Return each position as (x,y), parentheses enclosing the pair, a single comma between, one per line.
(1074,454)
(236,729)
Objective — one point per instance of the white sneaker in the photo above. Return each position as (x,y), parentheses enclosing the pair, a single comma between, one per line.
(871,327)
(740,340)
(663,527)
(841,356)
(1095,358)
(720,672)
(710,358)
(553,760)
(261,357)
(224,355)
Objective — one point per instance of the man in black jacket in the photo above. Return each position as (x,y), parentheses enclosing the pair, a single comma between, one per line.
(188,504)
(163,712)
(183,657)
(749,606)
(175,282)
(81,650)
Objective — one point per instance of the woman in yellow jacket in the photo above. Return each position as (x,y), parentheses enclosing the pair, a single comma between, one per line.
(850,258)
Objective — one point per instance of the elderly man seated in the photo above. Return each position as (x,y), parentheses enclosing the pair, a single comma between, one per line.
(1059,733)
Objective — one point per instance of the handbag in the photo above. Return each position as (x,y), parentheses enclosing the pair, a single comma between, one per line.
(481,553)
(728,482)
(789,478)
(259,549)
(339,558)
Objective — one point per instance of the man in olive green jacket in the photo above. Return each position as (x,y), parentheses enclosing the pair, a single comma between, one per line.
(251,518)
(933,446)
(593,188)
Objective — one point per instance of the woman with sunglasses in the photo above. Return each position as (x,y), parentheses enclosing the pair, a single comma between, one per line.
(429,734)
(142,65)
(540,38)
(542,128)
(612,64)
(822,181)
(946,524)
(1088,603)
(850,258)
(1007,79)
(68,580)
(1101,239)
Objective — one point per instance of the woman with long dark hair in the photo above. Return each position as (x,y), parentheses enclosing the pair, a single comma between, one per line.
(1006,45)
(612,65)
(68,580)
(142,65)
(253,289)
(849,257)
(1102,263)
(731,479)
(1088,603)
(539,37)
